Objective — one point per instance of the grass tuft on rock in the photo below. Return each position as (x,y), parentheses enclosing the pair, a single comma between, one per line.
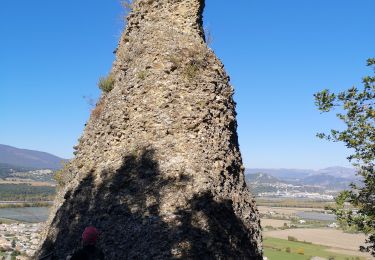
(106,83)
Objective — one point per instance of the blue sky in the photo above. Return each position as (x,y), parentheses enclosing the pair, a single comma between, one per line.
(278,53)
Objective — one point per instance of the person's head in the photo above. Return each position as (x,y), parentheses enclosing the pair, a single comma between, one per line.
(90,236)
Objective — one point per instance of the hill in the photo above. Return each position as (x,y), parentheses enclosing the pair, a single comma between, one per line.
(261,178)
(6,169)
(23,159)
(296,175)
(327,181)
(293,183)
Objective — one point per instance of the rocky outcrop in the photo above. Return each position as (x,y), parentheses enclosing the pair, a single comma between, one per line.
(158,168)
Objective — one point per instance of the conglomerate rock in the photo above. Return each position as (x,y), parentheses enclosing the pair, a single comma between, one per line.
(158,168)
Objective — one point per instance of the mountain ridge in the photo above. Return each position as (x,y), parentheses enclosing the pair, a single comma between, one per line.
(298,174)
(31,159)
(331,178)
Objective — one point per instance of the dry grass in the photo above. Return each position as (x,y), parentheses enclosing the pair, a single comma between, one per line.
(276,223)
(98,110)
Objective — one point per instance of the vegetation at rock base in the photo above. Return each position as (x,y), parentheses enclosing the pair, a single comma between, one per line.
(106,83)
(358,114)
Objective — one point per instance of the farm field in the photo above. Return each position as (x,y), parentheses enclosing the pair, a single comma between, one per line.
(334,241)
(28,214)
(28,182)
(280,249)
(275,223)
(26,192)
(287,210)
(293,203)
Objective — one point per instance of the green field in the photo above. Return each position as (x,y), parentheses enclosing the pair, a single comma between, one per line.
(26,192)
(293,203)
(276,249)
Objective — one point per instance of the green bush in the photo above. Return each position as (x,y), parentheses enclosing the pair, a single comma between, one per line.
(300,251)
(60,175)
(142,75)
(290,238)
(106,83)
(191,70)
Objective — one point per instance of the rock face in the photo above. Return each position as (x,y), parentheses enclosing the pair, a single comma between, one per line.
(158,168)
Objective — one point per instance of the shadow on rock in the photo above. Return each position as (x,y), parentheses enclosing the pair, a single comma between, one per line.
(125,207)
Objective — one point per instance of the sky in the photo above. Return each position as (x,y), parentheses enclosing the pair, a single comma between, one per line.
(277,53)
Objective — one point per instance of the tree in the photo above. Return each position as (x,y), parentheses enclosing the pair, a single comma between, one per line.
(357,111)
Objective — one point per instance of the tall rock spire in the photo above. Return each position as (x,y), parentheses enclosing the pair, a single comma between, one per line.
(158,168)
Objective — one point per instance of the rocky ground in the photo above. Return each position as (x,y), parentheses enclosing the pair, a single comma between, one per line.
(19,238)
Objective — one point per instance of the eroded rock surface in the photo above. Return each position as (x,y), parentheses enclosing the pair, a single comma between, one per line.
(158,168)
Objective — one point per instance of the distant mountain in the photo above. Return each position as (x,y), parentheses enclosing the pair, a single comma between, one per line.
(261,178)
(300,174)
(327,181)
(7,169)
(335,178)
(282,174)
(342,172)
(11,157)
(262,182)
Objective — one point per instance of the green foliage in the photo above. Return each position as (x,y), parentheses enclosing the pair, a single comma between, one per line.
(60,176)
(358,114)
(26,192)
(106,83)
(291,238)
(191,70)
(290,203)
(24,205)
(142,75)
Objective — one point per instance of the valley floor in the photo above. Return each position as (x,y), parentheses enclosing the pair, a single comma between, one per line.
(330,242)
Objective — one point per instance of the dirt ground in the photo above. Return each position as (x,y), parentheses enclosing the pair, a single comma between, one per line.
(284,210)
(276,223)
(340,241)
